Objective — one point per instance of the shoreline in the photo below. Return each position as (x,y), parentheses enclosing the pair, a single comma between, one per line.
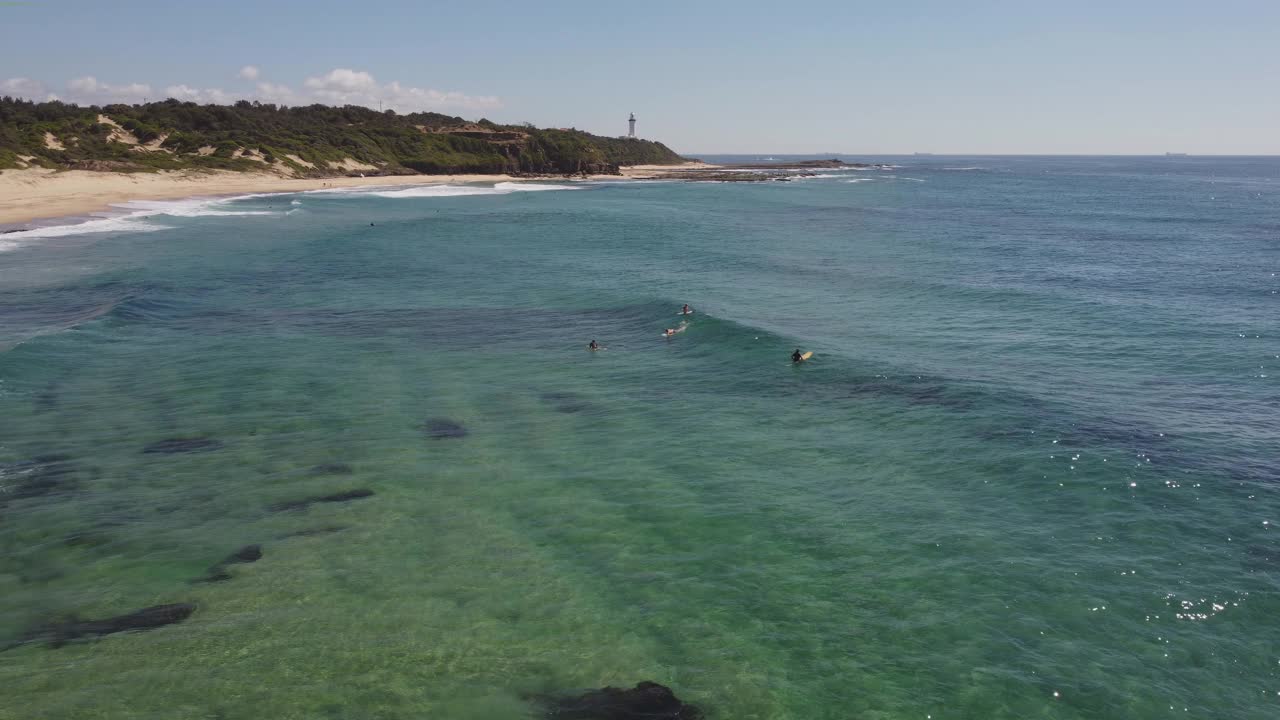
(32,195)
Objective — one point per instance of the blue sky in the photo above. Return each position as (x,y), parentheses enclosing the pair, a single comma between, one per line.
(705,77)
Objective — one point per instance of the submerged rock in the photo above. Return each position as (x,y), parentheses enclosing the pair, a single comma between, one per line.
(1262,556)
(565,402)
(47,399)
(170,446)
(332,469)
(443,428)
(40,476)
(309,532)
(646,701)
(61,632)
(86,538)
(343,496)
(246,554)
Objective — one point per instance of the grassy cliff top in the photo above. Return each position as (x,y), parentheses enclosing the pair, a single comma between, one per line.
(315,140)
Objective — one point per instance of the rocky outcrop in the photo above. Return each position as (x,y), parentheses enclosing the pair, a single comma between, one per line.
(760,172)
(58,633)
(566,402)
(246,554)
(646,701)
(303,504)
(171,446)
(40,476)
(443,429)
(332,469)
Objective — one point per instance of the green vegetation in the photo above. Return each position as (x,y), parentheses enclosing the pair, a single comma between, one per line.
(315,140)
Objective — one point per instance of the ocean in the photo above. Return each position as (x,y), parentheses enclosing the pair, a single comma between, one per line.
(1030,471)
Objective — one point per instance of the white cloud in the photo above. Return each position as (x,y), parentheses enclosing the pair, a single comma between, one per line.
(88,91)
(22,87)
(187,93)
(279,94)
(342,86)
(342,80)
(182,92)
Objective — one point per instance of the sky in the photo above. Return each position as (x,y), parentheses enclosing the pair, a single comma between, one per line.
(703,76)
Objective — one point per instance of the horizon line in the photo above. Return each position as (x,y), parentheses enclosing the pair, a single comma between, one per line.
(981,154)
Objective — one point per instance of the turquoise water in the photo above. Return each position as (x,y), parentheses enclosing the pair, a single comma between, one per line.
(1031,471)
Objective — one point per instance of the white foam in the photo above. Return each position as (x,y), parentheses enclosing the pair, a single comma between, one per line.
(531,187)
(189,208)
(124,223)
(502,188)
(422,191)
(629,181)
(858,180)
(133,217)
(345,190)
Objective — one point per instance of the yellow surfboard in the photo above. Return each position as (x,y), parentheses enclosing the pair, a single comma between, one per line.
(806,356)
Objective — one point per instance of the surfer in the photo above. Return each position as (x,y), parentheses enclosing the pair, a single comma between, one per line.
(796,356)
(686,310)
(593,345)
(670,332)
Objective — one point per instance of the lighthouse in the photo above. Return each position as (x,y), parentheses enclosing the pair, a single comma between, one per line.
(631,133)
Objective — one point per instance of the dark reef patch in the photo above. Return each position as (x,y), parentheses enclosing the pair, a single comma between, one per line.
(920,391)
(343,496)
(170,446)
(311,532)
(646,701)
(47,399)
(332,469)
(443,429)
(40,476)
(60,632)
(218,572)
(1262,557)
(566,402)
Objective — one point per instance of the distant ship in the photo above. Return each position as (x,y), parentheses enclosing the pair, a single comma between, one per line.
(1175,154)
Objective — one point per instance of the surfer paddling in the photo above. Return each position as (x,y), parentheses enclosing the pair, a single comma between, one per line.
(679,328)
(670,332)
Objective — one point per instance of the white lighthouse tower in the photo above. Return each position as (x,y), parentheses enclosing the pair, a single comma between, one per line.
(631,133)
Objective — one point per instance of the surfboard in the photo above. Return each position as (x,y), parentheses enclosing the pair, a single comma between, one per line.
(806,356)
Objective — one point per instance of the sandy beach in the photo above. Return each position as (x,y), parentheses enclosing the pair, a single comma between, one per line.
(36,194)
